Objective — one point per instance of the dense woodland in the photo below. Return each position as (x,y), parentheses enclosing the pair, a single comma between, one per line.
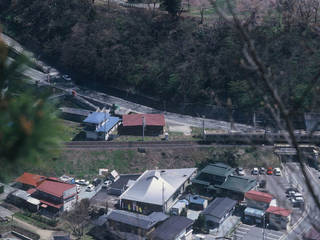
(171,58)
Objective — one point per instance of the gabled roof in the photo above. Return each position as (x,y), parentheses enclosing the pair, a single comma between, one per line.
(279,211)
(110,123)
(55,188)
(156,186)
(137,220)
(96,117)
(218,169)
(219,207)
(259,196)
(149,120)
(30,179)
(238,184)
(171,228)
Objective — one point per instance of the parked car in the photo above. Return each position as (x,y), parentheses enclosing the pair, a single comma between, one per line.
(82,182)
(106,184)
(291,189)
(262,184)
(262,170)
(277,172)
(96,181)
(255,171)
(240,171)
(270,171)
(90,188)
(66,77)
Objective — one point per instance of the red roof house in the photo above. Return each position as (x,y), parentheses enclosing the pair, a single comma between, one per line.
(279,211)
(258,200)
(258,196)
(132,124)
(279,217)
(55,188)
(31,180)
(149,119)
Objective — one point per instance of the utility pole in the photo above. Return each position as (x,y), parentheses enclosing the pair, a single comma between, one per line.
(203,132)
(143,125)
(105,117)
(254,120)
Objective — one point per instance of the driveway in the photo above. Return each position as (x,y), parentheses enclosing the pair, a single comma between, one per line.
(249,232)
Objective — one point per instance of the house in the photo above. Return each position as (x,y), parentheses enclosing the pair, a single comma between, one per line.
(259,200)
(100,124)
(217,179)
(213,174)
(132,124)
(156,190)
(56,196)
(279,217)
(254,216)
(174,228)
(140,226)
(218,211)
(235,187)
(29,180)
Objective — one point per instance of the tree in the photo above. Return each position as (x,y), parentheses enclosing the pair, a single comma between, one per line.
(199,225)
(78,218)
(173,7)
(29,128)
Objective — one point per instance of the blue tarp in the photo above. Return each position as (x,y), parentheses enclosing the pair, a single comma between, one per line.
(111,122)
(96,117)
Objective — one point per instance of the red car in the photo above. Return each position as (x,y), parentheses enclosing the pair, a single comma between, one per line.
(269,171)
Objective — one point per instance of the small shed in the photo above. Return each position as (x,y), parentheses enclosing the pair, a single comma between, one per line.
(177,208)
(197,203)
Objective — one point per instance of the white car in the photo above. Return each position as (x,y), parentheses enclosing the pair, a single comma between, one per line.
(255,171)
(90,188)
(240,171)
(277,172)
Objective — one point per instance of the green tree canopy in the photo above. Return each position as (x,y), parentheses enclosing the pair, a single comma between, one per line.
(28,125)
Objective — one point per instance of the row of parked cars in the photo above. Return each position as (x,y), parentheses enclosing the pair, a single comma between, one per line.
(90,187)
(262,171)
(295,197)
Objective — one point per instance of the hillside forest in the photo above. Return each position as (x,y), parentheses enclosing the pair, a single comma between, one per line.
(174,58)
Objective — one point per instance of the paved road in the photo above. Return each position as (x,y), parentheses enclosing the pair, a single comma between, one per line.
(173,118)
(250,232)
(312,214)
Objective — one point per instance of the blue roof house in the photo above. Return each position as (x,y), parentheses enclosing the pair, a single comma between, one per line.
(99,125)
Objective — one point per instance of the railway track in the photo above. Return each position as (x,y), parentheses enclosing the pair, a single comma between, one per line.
(147,145)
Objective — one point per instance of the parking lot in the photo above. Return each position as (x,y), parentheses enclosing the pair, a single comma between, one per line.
(250,232)
(85,194)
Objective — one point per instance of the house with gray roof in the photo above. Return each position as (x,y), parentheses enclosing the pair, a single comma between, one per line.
(137,224)
(174,228)
(218,211)
(100,124)
(156,190)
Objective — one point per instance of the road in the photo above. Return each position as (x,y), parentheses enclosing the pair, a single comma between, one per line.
(171,118)
(312,213)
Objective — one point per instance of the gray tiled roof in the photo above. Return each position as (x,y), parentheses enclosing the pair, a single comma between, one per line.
(238,184)
(219,207)
(137,220)
(218,169)
(171,228)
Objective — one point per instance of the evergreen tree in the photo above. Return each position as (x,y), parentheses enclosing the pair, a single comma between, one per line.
(173,7)
(29,128)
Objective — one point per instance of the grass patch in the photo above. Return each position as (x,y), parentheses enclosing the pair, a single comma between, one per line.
(70,130)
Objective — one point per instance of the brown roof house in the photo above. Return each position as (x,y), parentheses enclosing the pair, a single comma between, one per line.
(279,217)
(133,124)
